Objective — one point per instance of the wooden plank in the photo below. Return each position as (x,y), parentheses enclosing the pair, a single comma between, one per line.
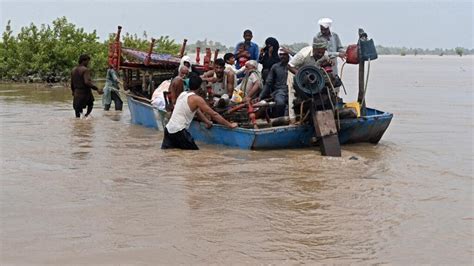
(329,146)
(325,129)
(325,124)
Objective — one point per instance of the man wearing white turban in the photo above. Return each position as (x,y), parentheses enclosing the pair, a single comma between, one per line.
(335,47)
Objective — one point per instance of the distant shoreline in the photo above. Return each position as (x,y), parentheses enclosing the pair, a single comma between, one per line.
(100,80)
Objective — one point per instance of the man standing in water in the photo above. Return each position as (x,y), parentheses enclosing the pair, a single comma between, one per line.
(111,90)
(81,86)
(187,105)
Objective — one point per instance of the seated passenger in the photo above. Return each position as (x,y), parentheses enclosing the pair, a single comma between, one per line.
(185,61)
(178,85)
(277,86)
(229,59)
(157,98)
(269,56)
(252,82)
(221,80)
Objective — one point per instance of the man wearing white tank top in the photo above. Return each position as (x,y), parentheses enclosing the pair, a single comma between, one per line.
(187,105)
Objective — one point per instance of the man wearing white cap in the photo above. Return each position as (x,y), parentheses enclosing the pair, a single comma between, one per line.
(335,48)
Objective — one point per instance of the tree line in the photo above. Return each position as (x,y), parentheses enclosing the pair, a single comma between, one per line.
(49,52)
(381,50)
(420,51)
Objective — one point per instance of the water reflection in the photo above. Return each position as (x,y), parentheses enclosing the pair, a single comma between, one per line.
(82,134)
(113,115)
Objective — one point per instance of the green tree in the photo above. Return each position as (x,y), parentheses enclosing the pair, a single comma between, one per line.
(69,43)
(28,51)
(459,51)
(164,45)
(135,42)
(49,50)
(8,49)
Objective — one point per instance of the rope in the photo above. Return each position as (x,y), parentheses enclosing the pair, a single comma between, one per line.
(303,118)
(333,90)
(306,115)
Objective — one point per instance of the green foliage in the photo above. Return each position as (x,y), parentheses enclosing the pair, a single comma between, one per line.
(459,51)
(133,41)
(8,50)
(48,50)
(164,45)
(53,50)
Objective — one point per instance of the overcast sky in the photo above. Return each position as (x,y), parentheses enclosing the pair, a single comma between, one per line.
(422,23)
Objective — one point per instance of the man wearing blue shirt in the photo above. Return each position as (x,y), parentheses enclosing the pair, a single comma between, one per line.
(250,47)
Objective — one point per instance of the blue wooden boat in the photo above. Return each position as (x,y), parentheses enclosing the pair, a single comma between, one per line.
(369,128)
(143,69)
(143,114)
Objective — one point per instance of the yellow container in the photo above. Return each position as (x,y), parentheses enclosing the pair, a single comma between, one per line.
(355,106)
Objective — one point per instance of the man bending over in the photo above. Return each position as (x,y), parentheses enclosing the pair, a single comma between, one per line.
(187,105)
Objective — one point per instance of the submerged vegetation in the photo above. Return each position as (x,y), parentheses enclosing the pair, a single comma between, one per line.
(49,52)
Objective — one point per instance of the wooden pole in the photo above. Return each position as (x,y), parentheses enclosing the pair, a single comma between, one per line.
(198,56)
(216,53)
(361,81)
(148,57)
(117,37)
(361,94)
(115,50)
(207,58)
(183,47)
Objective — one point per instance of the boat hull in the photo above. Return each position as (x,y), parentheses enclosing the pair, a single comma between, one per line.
(142,113)
(268,138)
(369,128)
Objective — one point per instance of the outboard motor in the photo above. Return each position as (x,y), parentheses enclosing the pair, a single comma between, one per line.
(310,83)
(313,93)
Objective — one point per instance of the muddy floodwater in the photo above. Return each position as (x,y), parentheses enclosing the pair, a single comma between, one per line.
(101,190)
